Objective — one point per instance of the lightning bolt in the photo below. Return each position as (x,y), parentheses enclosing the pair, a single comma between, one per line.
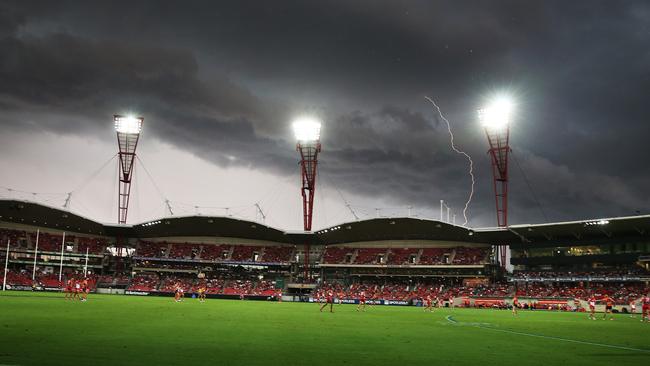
(469,158)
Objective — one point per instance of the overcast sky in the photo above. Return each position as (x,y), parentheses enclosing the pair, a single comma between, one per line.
(219,83)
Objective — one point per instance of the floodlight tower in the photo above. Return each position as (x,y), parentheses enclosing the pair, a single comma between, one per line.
(495,119)
(128,130)
(307,131)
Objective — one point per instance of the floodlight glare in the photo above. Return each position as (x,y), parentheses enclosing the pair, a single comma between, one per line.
(497,114)
(307,129)
(128,124)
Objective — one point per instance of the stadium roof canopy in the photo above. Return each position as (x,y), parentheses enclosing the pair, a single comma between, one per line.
(586,231)
(603,230)
(35,214)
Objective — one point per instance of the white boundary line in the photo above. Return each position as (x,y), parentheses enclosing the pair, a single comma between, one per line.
(454,321)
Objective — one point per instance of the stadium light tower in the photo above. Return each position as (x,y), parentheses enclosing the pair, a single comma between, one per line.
(307,131)
(495,119)
(128,130)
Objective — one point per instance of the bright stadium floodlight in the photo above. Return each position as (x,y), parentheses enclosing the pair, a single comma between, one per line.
(307,129)
(128,129)
(495,119)
(128,124)
(307,132)
(497,114)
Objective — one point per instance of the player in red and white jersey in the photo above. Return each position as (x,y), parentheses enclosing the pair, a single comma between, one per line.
(181,292)
(592,308)
(645,308)
(515,305)
(177,292)
(329,299)
(428,303)
(362,301)
(69,287)
(77,289)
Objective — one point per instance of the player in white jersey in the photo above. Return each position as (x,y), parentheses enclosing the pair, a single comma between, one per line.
(592,308)
(645,308)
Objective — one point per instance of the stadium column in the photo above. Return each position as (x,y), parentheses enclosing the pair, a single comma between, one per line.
(308,163)
(499,158)
(495,119)
(307,132)
(128,131)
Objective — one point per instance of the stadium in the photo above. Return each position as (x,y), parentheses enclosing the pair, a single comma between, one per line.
(264,287)
(398,261)
(386,289)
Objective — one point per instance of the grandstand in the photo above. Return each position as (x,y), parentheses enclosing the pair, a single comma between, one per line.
(397,260)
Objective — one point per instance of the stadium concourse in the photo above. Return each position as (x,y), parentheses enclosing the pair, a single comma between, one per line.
(398,261)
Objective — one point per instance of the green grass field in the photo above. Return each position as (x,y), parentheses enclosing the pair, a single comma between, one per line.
(44,329)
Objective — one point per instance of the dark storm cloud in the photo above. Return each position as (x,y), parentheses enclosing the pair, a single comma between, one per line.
(328,43)
(222,80)
(83,82)
(10,20)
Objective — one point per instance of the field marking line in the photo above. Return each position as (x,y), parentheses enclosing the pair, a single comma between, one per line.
(470,324)
(454,321)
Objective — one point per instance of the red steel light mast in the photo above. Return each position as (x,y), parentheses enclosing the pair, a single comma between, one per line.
(128,130)
(307,131)
(495,119)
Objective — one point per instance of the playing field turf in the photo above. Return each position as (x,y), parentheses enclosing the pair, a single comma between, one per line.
(45,329)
